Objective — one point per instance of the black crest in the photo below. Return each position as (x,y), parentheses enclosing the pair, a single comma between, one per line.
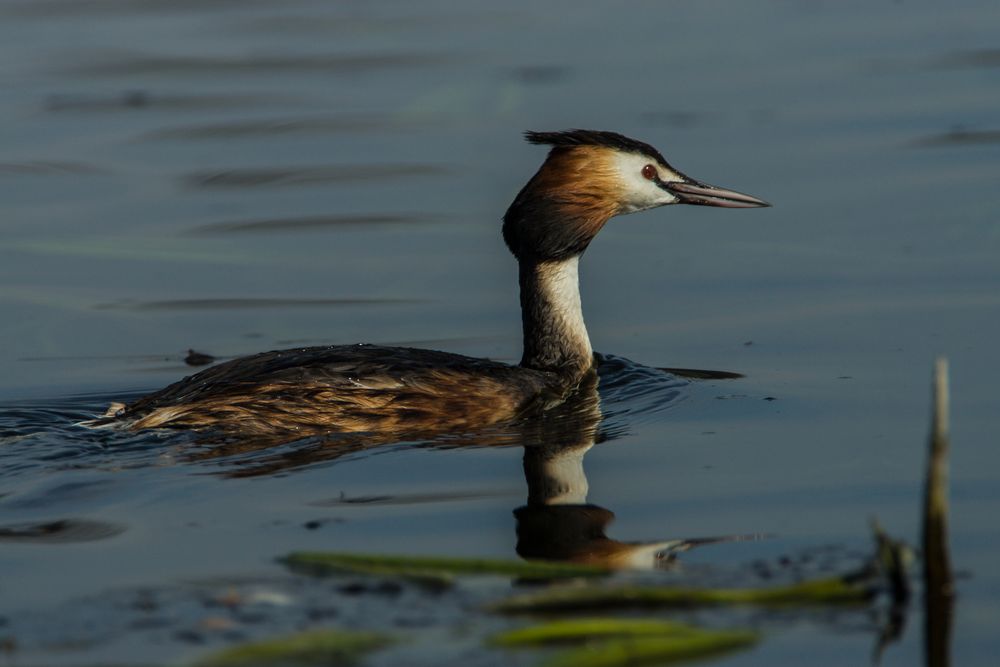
(571,138)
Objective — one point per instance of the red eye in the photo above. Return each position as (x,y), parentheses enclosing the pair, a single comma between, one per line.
(649,172)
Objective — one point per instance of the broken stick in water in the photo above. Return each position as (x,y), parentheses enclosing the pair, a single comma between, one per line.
(938,582)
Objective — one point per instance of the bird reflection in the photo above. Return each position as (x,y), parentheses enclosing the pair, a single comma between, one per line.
(556,522)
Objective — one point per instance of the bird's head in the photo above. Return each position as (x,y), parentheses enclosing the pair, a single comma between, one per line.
(589,177)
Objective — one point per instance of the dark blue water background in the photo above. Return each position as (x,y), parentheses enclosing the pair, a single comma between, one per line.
(241,176)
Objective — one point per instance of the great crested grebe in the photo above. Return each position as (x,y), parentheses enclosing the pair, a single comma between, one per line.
(587,178)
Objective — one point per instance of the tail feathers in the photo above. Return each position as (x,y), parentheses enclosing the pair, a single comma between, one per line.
(109,418)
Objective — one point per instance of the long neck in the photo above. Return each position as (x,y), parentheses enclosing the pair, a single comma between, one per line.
(555,337)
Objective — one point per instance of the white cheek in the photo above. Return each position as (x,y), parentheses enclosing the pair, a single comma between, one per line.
(639,193)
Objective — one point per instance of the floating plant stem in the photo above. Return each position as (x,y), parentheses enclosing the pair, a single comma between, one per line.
(433,568)
(831,591)
(653,650)
(592,629)
(610,642)
(326,647)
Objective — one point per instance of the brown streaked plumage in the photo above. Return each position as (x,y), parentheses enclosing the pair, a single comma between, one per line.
(347,388)
(564,205)
(587,178)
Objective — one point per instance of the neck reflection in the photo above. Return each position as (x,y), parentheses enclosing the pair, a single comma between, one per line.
(557,523)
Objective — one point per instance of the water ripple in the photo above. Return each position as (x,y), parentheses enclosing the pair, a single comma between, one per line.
(318,175)
(958,137)
(60,531)
(267,127)
(133,100)
(46,168)
(54,8)
(237,303)
(306,223)
(628,389)
(206,66)
(971,58)
(45,435)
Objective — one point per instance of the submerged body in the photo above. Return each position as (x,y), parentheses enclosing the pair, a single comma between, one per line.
(587,178)
(349,388)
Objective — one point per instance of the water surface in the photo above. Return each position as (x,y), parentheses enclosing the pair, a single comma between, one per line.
(239,176)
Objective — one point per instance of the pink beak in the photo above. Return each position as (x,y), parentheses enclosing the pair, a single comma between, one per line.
(693,192)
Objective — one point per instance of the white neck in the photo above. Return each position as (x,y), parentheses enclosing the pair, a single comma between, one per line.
(555,475)
(555,336)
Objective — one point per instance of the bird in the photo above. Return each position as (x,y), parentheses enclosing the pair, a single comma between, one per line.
(587,178)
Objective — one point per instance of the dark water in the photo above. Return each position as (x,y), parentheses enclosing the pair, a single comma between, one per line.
(240,176)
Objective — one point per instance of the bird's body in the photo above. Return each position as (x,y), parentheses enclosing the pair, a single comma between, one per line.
(587,178)
(349,388)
